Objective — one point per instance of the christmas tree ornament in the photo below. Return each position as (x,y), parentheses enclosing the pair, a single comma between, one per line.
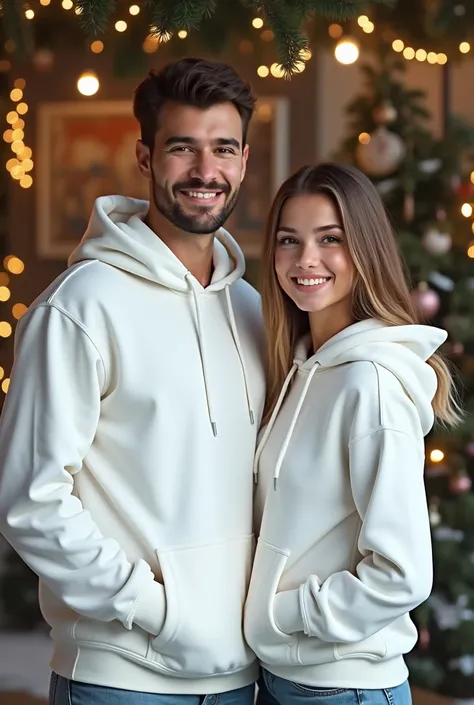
(436,242)
(434,515)
(424,639)
(383,153)
(408,207)
(43,59)
(385,113)
(426,300)
(460,483)
(470,449)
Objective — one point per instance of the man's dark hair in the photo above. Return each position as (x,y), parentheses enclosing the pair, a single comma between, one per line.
(194,82)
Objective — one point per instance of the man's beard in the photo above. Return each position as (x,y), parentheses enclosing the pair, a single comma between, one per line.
(173,211)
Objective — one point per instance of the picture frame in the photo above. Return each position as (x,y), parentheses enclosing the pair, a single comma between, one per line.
(87,149)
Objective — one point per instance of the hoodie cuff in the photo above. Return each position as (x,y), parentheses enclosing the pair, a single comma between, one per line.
(150,609)
(287,612)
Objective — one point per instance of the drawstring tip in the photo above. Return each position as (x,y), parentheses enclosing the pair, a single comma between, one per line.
(214,428)
(275,483)
(252,417)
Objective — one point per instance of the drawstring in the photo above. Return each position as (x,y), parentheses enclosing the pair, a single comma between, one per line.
(272,421)
(286,443)
(203,358)
(235,334)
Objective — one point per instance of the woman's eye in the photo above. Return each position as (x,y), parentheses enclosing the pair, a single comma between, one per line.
(287,241)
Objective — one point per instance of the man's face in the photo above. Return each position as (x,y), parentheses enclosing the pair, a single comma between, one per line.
(197,165)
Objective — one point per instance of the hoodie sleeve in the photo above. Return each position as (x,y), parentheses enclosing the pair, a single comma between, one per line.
(395,574)
(48,424)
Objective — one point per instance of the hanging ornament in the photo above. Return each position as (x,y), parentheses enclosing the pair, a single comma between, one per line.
(43,59)
(434,515)
(436,241)
(457,348)
(460,483)
(470,449)
(385,113)
(426,300)
(408,207)
(424,639)
(382,154)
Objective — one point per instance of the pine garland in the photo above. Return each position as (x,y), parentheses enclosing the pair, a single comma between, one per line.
(286,18)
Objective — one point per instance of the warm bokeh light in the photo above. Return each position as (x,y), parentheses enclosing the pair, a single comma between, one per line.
(97,46)
(18,310)
(409,53)
(121,26)
(364,138)
(398,45)
(88,83)
(257,23)
(466,210)
(263,71)
(436,456)
(346,51)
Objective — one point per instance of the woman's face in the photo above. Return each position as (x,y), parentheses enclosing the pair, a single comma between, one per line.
(312,261)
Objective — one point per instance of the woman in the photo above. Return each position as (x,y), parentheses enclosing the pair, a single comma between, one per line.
(344,548)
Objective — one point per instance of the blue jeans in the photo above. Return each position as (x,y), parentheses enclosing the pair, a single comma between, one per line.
(273,690)
(67,692)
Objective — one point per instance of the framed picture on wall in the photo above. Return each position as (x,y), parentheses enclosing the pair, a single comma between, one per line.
(87,150)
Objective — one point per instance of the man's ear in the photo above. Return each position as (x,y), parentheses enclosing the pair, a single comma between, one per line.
(245,156)
(143,159)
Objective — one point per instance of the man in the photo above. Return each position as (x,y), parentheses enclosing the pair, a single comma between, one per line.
(128,435)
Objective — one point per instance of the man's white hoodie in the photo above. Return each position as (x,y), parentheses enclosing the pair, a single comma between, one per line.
(344,550)
(126,445)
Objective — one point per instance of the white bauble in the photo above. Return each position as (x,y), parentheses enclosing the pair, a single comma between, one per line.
(436,242)
(383,154)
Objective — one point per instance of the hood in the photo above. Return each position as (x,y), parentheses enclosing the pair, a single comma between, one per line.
(403,350)
(117,235)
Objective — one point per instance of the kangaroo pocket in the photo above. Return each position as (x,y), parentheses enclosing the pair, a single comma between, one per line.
(271,645)
(205,592)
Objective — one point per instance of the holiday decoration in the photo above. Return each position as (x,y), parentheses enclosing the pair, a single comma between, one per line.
(385,113)
(436,242)
(460,483)
(426,301)
(382,154)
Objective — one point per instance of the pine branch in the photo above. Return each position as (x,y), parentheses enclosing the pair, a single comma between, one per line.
(289,36)
(95,14)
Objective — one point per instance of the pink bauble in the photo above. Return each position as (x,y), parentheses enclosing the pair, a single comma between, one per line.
(426,300)
(459,484)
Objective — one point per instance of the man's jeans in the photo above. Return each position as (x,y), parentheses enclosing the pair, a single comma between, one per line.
(67,692)
(277,691)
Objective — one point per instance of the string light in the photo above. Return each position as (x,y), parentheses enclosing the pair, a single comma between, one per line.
(257,22)
(182,34)
(470,251)
(29,14)
(466,210)
(67,4)
(421,55)
(436,456)
(88,83)
(263,71)
(121,26)
(134,9)
(364,138)
(21,163)
(464,47)
(346,51)
(97,46)
(409,53)
(335,31)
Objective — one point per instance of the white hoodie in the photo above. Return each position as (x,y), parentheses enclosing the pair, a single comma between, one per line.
(126,445)
(344,551)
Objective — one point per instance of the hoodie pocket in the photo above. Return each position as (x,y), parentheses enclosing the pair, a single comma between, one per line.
(205,592)
(271,645)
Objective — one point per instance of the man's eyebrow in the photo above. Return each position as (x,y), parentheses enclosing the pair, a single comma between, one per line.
(221,141)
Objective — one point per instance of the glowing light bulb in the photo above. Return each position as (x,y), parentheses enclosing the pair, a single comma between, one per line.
(436,456)
(88,83)
(346,51)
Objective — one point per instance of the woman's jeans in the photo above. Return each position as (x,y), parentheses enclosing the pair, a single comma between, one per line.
(66,692)
(273,690)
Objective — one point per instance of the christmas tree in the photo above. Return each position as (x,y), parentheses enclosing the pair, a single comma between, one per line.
(427,183)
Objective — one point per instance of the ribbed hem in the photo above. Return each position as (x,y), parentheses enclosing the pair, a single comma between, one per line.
(287,612)
(113,670)
(347,673)
(150,609)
